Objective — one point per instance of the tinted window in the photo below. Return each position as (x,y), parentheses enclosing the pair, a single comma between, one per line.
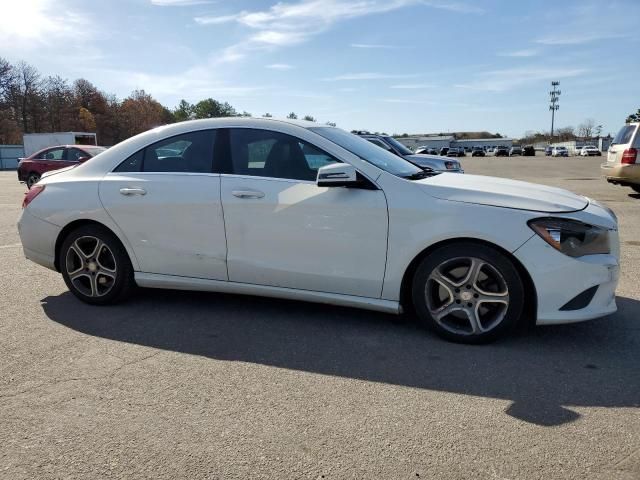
(368,152)
(624,135)
(53,154)
(399,146)
(190,152)
(265,153)
(379,143)
(74,155)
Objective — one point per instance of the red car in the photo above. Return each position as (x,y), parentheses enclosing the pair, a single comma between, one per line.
(30,169)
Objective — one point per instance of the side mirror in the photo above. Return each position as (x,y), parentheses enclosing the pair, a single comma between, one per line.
(337,175)
(83,159)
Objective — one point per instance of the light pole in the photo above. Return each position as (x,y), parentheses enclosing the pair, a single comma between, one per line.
(553,106)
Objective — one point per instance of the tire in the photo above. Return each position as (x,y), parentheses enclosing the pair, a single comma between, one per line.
(98,278)
(32,179)
(635,188)
(448,294)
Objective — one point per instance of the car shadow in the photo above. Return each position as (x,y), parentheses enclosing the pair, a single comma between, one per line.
(543,372)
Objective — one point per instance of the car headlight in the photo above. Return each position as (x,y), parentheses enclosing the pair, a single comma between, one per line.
(572,237)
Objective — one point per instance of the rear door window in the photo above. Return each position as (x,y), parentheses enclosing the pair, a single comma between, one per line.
(186,153)
(53,154)
(624,135)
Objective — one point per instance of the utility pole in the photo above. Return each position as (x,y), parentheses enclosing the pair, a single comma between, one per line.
(553,106)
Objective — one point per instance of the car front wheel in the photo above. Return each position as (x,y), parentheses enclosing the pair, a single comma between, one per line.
(468,293)
(95,266)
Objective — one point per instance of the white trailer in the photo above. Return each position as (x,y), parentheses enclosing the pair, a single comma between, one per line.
(37,141)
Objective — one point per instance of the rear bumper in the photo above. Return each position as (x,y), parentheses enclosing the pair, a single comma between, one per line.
(38,239)
(559,279)
(621,174)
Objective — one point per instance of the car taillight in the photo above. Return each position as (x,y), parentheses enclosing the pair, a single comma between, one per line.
(629,156)
(33,192)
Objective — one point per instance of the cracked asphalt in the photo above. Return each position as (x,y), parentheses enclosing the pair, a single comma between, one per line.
(194,385)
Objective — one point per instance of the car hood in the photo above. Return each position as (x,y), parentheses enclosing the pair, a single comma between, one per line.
(436,161)
(502,192)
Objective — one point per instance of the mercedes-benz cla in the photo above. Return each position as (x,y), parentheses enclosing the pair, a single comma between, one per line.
(306,212)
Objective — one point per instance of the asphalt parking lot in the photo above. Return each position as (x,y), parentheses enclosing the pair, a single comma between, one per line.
(194,385)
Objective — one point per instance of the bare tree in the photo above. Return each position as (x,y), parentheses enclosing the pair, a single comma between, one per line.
(586,128)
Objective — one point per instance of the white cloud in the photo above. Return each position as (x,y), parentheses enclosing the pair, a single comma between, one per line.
(413,86)
(510,78)
(216,20)
(577,38)
(285,24)
(31,24)
(527,52)
(178,3)
(372,45)
(279,66)
(368,76)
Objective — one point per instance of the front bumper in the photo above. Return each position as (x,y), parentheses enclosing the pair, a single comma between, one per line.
(38,239)
(559,278)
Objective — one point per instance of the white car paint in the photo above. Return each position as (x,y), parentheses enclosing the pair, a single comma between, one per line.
(336,245)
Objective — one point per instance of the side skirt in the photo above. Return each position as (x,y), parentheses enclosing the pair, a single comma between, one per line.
(172,282)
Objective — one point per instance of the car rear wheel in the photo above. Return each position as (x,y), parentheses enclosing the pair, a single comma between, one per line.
(468,293)
(32,179)
(95,266)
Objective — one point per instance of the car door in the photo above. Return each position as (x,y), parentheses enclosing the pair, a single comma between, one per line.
(166,201)
(283,230)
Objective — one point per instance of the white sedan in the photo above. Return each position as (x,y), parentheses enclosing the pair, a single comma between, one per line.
(307,212)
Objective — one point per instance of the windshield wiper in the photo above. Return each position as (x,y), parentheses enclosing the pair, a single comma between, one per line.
(421,174)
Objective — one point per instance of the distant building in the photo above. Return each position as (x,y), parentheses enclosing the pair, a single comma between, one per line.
(432,141)
(439,141)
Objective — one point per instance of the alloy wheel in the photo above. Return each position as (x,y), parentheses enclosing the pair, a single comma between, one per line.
(91,266)
(467,296)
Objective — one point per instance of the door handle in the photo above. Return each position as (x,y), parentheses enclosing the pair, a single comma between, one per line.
(132,191)
(247,193)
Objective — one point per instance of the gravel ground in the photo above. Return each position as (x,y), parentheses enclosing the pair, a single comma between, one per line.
(186,385)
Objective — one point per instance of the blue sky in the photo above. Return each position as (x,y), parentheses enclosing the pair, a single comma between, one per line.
(397,66)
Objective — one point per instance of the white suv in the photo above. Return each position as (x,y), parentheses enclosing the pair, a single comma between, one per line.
(622,167)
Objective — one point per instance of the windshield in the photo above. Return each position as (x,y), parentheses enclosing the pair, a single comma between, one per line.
(368,151)
(398,146)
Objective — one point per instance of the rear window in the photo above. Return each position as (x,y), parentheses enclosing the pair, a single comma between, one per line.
(624,135)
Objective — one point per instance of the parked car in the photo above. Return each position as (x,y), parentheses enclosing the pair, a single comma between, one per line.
(515,150)
(314,213)
(427,150)
(590,151)
(30,169)
(453,152)
(477,152)
(444,151)
(528,151)
(560,152)
(548,150)
(501,151)
(623,166)
(432,162)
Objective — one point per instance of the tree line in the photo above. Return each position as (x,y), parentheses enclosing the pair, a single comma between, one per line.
(32,103)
